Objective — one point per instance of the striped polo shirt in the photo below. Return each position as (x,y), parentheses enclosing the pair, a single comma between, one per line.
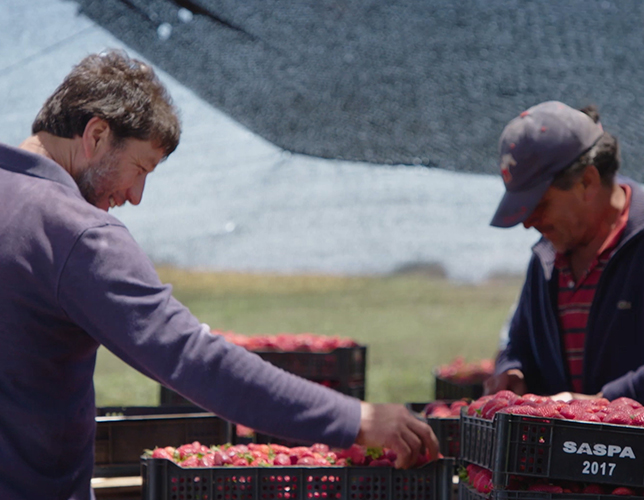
(575,298)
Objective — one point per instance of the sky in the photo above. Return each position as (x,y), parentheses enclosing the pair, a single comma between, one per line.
(230,200)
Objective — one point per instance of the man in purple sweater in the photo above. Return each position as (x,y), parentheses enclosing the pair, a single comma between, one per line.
(73,278)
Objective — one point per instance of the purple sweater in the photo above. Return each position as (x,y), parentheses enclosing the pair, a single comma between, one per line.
(72,278)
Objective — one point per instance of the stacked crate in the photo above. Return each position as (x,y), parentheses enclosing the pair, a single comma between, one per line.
(123,433)
(461,379)
(446,428)
(342,369)
(516,448)
(164,480)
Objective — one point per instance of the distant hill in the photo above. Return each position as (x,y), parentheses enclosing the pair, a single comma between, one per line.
(405,82)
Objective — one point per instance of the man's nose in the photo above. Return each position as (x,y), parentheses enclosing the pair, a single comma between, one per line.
(135,193)
(529,222)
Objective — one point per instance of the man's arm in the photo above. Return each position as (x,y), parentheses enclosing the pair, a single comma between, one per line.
(110,289)
(509,370)
(630,385)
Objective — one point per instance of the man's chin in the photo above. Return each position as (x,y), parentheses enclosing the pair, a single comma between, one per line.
(102,204)
(559,247)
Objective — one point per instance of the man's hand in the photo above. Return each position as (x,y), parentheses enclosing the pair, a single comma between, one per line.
(569,396)
(511,380)
(393,426)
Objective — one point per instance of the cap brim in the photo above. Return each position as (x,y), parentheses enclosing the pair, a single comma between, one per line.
(515,207)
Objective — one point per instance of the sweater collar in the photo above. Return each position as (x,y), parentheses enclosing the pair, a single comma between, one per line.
(28,163)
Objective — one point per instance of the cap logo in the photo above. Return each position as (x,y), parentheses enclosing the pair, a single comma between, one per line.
(507,161)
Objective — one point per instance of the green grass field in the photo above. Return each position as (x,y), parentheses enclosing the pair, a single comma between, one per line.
(410,323)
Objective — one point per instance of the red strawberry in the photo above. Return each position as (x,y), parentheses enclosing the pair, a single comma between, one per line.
(575,411)
(638,419)
(278,448)
(259,462)
(455,407)
(264,449)
(208,460)
(623,491)
(356,454)
(548,410)
(435,406)
(476,405)
(509,395)
(221,458)
(549,488)
(243,431)
(594,489)
(320,459)
(423,459)
(185,450)
(617,417)
(520,410)
(600,402)
(301,451)
(308,461)
(626,402)
(535,398)
(483,481)
(238,449)
(440,412)
(588,417)
(320,448)
(492,406)
(282,460)
(191,461)
(161,453)
(570,486)
(472,471)
(381,462)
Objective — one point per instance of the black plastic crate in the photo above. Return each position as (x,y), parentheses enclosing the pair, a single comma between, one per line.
(343,369)
(122,433)
(446,429)
(164,480)
(466,492)
(554,448)
(345,365)
(447,389)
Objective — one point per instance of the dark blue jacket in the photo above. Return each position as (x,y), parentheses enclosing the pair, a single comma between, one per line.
(614,348)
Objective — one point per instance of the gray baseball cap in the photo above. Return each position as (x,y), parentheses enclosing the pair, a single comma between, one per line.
(535,146)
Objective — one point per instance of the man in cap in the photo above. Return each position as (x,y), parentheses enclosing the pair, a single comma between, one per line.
(577,327)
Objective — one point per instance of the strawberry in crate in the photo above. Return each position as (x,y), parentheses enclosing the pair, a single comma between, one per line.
(287,342)
(460,371)
(480,479)
(621,411)
(444,409)
(266,455)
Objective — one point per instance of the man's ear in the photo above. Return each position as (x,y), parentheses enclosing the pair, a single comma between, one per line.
(591,180)
(96,137)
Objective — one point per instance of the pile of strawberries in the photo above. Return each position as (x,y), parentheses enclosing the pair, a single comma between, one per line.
(622,411)
(287,342)
(480,479)
(265,455)
(444,409)
(460,371)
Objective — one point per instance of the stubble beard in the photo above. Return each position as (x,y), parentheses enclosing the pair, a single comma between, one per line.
(98,178)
